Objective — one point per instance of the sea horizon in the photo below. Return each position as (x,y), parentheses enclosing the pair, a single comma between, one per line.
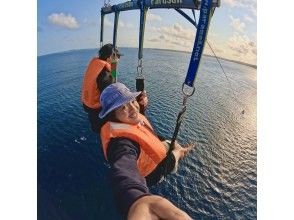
(172,50)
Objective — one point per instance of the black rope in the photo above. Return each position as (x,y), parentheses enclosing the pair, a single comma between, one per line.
(175,134)
(236,100)
(177,128)
(140,87)
(178,123)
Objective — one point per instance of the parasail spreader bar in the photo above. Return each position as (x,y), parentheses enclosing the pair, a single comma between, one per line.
(135,4)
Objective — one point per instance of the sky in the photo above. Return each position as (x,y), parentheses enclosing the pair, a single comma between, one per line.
(75,24)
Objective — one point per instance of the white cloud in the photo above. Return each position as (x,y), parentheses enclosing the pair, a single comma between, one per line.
(125,25)
(239,46)
(242,46)
(237,24)
(121,24)
(215,46)
(248,4)
(178,27)
(153,17)
(254,36)
(231,3)
(253,10)
(248,19)
(178,32)
(154,40)
(212,34)
(62,20)
(175,37)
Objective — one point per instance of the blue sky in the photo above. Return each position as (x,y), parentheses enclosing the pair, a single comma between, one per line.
(75,24)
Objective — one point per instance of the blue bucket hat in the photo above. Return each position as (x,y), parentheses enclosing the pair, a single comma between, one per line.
(114,96)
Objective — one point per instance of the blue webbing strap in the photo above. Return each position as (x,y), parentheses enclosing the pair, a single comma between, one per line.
(203,24)
(204,18)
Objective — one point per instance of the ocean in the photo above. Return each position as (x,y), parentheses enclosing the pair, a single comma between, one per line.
(217,180)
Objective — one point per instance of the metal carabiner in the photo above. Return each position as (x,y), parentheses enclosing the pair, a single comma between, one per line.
(187,93)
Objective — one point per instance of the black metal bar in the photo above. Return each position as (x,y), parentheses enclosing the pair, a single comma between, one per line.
(115,28)
(101,28)
(186,16)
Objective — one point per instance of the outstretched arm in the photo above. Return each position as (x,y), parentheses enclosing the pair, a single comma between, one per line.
(127,184)
(130,189)
(155,208)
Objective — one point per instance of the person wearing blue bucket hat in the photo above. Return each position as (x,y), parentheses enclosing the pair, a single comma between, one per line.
(137,156)
(114,96)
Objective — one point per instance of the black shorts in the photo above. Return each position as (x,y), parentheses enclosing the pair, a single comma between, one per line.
(93,116)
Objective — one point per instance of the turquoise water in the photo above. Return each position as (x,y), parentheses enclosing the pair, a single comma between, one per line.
(216,181)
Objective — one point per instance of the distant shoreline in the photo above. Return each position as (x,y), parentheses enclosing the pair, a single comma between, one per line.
(226,59)
(234,61)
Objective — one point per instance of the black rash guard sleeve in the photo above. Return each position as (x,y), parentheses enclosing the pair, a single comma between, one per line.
(127,183)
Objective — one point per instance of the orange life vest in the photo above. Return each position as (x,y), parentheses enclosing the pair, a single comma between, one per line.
(152,149)
(90,94)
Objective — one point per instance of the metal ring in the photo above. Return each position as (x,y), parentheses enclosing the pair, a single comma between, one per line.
(139,70)
(186,93)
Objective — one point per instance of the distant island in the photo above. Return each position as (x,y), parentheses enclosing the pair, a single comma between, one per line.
(234,61)
(221,58)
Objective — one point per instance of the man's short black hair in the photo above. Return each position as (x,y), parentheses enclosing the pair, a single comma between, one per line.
(107,50)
